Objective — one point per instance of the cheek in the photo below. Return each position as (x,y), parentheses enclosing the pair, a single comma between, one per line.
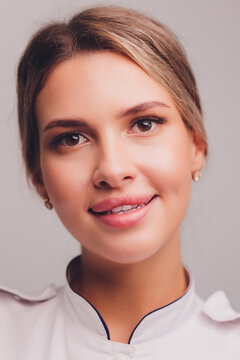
(65,180)
(168,168)
(168,165)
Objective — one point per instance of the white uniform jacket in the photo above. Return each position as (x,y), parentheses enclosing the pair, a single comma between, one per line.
(59,324)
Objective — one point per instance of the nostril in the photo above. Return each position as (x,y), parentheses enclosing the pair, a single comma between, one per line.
(103,183)
(111,181)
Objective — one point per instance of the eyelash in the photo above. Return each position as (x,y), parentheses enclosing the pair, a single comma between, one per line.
(157,120)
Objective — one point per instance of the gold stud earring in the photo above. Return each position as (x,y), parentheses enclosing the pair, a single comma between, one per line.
(196,175)
(48,203)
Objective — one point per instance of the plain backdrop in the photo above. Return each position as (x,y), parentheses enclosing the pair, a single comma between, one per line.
(35,247)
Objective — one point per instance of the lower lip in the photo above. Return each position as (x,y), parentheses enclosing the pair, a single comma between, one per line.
(123,221)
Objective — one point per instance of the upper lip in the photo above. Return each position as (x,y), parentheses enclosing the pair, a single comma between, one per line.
(111,203)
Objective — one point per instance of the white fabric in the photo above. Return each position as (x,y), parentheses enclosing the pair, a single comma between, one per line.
(59,324)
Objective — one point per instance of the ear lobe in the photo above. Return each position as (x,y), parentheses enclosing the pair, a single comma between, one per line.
(38,183)
(199,151)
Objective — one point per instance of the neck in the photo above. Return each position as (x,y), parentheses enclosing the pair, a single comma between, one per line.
(127,292)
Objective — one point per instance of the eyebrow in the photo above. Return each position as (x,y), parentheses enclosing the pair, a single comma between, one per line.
(81,123)
(141,107)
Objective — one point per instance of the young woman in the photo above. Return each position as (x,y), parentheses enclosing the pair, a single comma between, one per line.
(112,136)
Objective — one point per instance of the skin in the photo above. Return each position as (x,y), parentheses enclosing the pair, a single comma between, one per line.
(129,272)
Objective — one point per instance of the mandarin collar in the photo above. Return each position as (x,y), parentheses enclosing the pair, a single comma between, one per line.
(155,324)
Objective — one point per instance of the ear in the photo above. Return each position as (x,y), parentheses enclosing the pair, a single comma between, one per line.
(37,181)
(199,152)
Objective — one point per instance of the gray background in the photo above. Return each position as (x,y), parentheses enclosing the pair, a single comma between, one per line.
(35,248)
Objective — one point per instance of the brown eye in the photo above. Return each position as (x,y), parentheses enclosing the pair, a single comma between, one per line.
(72,139)
(147,124)
(144,125)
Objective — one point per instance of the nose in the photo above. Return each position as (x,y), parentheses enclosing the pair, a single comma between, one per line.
(114,167)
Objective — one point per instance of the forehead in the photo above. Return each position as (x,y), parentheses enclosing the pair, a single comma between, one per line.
(97,83)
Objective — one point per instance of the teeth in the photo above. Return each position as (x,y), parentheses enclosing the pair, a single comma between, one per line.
(117,209)
(125,208)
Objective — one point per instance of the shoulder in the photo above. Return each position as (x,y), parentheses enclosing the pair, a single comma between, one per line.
(16,303)
(26,308)
(218,308)
(218,323)
(10,296)
(27,319)
(212,329)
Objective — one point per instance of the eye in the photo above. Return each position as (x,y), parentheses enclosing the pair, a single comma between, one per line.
(147,124)
(72,139)
(69,139)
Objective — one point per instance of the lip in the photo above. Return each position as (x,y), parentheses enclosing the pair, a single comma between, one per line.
(129,219)
(109,204)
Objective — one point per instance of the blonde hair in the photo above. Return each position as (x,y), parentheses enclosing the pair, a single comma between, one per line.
(142,39)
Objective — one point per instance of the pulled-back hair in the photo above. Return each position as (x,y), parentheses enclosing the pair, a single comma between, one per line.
(142,39)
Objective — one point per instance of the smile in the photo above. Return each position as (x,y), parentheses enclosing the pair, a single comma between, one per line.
(126,215)
(125,209)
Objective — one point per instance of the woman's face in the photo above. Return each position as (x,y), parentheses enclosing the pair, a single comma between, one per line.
(110,132)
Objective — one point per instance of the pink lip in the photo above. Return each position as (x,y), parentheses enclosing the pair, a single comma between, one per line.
(122,221)
(109,204)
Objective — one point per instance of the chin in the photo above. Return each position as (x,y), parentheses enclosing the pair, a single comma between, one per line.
(130,254)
